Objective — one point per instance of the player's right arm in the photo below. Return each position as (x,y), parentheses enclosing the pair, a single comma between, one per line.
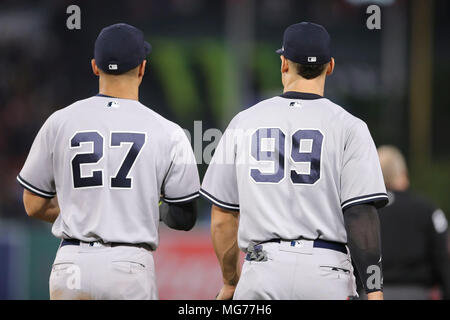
(224,228)
(220,188)
(40,208)
(37,176)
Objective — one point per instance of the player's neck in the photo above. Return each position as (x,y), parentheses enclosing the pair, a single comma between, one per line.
(119,89)
(316,86)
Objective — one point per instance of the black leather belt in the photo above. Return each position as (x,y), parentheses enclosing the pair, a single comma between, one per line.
(75,242)
(319,243)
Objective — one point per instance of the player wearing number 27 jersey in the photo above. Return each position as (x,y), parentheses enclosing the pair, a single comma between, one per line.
(304,176)
(108,159)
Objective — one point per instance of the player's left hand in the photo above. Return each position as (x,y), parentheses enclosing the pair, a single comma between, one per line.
(226,293)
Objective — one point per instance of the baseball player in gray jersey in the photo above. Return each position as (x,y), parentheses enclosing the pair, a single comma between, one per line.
(295,182)
(108,159)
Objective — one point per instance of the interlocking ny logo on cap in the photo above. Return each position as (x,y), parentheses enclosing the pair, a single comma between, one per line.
(112,66)
(312,59)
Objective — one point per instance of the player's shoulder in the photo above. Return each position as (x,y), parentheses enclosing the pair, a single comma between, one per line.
(341,113)
(68,110)
(165,124)
(72,111)
(348,122)
(241,118)
(167,128)
(266,103)
(60,115)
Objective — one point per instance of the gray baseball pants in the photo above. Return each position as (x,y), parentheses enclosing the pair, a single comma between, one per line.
(297,271)
(102,272)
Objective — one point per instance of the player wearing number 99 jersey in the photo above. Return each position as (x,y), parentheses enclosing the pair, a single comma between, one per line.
(109,159)
(292,172)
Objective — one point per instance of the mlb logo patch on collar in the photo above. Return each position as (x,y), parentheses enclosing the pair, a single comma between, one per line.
(113,104)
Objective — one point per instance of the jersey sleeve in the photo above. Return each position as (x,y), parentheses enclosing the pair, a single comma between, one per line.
(219,184)
(37,173)
(361,176)
(182,182)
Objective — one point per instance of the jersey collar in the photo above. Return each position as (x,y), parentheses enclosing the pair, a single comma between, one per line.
(104,95)
(300,95)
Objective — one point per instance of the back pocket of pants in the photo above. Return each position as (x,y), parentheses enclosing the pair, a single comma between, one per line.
(61,268)
(334,271)
(64,278)
(127,266)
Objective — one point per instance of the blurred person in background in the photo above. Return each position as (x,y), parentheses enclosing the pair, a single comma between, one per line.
(414,236)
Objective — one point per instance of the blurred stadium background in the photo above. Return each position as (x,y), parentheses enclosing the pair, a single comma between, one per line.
(210,60)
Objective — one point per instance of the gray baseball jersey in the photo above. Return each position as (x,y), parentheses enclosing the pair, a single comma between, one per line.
(290,165)
(109,160)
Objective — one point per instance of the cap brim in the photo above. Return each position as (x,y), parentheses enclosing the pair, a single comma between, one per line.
(280,51)
(147,47)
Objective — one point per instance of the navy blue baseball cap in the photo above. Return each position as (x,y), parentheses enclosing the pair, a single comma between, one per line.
(120,48)
(306,43)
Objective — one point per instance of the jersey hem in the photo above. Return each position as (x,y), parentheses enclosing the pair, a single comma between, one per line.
(192,196)
(217,202)
(379,200)
(35,190)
